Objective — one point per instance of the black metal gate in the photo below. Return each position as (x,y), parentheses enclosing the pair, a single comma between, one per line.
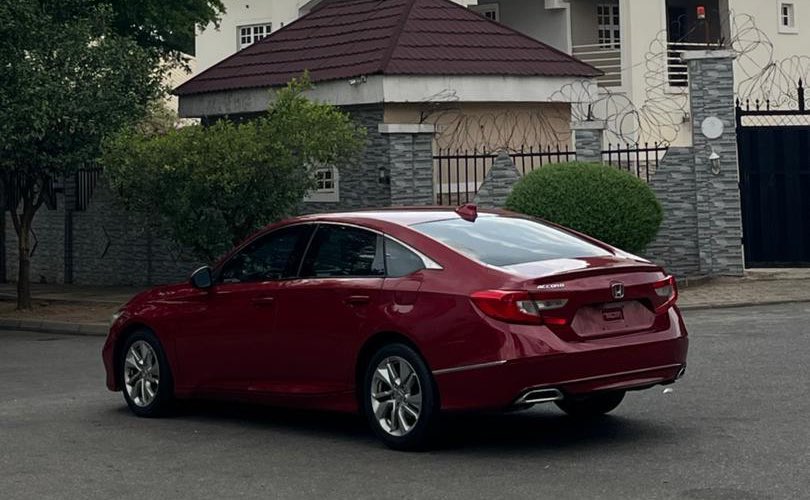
(774,158)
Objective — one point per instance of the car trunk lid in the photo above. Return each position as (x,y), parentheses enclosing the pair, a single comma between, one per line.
(598,296)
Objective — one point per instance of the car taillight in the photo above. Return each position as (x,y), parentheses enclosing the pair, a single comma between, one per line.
(667,291)
(516,306)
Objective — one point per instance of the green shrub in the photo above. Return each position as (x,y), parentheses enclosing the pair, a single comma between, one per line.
(600,201)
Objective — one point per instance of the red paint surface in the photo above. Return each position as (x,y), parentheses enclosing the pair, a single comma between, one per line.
(297,341)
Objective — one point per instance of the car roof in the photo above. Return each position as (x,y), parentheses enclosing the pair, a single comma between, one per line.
(400,216)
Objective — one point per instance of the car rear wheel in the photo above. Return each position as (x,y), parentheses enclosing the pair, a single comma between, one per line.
(145,375)
(591,405)
(400,398)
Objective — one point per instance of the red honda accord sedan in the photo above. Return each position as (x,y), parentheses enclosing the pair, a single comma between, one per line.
(401,314)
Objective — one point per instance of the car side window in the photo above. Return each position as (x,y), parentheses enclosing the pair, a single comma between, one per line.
(343,251)
(270,257)
(400,261)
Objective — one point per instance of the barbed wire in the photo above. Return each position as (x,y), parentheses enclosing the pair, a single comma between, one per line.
(660,115)
(460,126)
(762,76)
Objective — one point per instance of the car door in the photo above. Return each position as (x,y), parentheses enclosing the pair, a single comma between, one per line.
(224,346)
(323,314)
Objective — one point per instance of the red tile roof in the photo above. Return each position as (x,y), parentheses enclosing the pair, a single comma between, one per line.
(350,38)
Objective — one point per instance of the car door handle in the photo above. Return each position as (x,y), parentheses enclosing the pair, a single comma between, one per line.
(263,301)
(357,300)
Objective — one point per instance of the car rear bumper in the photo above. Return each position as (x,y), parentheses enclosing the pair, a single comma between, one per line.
(630,362)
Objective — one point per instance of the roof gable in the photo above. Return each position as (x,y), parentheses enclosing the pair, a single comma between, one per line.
(350,38)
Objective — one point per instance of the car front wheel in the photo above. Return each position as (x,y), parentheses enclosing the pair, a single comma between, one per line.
(591,405)
(399,398)
(145,375)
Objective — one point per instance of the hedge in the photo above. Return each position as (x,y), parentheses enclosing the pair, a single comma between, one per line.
(598,200)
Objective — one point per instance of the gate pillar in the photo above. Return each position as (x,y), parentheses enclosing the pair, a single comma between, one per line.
(714,136)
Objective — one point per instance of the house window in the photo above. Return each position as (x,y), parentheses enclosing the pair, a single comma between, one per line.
(324,180)
(248,35)
(489,10)
(607,19)
(327,186)
(787,17)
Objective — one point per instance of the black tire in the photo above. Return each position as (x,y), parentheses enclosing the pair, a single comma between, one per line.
(163,401)
(420,435)
(591,405)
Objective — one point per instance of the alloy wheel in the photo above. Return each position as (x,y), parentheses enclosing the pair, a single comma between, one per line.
(141,373)
(396,396)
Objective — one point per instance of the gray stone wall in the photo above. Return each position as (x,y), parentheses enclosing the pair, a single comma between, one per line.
(498,183)
(360,185)
(702,229)
(676,246)
(711,87)
(588,141)
(47,261)
(110,246)
(410,159)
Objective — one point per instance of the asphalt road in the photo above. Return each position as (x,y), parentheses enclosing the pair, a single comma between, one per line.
(736,427)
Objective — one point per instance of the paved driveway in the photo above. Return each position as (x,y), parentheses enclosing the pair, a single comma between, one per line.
(737,427)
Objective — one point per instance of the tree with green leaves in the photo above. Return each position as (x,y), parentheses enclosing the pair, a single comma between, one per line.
(212,186)
(69,79)
(165,26)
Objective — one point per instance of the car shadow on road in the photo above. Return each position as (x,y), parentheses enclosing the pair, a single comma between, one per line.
(544,428)
(539,429)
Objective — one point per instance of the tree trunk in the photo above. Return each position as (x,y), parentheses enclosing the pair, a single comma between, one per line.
(32,192)
(24,270)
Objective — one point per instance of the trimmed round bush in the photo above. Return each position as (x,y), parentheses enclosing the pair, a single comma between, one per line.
(601,201)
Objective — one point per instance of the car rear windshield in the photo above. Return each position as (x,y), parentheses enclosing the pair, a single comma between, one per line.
(506,241)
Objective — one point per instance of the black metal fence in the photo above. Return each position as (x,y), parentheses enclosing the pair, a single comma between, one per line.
(458,174)
(12,189)
(639,160)
(773,145)
(767,113)
(85,180)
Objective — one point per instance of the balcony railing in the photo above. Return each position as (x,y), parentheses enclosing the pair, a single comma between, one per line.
(677,72)
(606,58)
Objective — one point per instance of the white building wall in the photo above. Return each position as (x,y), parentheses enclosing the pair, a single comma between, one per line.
(646,19)
(790,51)
(644,67)
(545,21)
(214,44)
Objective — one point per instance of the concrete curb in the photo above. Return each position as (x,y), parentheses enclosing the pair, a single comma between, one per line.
(5,297)
(736,305)
(56,327)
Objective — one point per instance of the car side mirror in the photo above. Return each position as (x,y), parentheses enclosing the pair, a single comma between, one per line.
(202,278)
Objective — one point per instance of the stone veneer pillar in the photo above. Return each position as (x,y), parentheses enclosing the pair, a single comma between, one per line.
(588,140)
(410,161)
(719,214)
(498,183)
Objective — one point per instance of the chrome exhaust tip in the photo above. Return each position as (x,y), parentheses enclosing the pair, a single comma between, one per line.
(533,396)
(681,372)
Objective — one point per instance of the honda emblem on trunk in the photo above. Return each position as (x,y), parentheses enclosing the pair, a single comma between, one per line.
(617,289)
